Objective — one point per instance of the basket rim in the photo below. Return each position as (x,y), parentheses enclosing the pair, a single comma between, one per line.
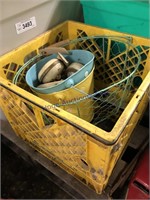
(124,39)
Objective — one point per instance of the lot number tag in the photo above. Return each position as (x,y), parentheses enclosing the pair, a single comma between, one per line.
(25,25)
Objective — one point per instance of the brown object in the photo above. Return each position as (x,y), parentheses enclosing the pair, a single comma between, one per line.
(73,67)
(51,71)
(51,84)
(55,48)
(63,59)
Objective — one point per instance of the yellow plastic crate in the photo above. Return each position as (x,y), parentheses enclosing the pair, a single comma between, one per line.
(84,150)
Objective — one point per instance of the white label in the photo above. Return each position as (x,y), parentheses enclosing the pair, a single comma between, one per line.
(25,25)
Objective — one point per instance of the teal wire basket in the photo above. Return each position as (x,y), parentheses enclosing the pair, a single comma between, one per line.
(115,81)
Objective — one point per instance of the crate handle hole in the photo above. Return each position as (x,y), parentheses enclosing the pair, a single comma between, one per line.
(84,164)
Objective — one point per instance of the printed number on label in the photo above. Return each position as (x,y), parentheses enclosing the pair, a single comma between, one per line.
(25,25)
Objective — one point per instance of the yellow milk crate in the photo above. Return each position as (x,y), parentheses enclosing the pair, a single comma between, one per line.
(87,151)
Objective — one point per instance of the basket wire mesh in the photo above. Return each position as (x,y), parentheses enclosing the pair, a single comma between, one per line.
(116,62)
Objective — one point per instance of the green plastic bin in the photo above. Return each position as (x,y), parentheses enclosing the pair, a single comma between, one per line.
(123,16)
